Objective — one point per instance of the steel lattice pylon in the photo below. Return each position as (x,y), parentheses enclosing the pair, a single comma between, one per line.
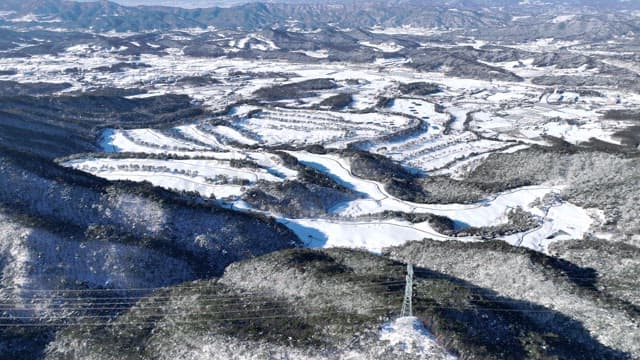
(407,309)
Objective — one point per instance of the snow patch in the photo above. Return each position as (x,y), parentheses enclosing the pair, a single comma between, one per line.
(389,47)
(409,334)
(318,54)
(563,18)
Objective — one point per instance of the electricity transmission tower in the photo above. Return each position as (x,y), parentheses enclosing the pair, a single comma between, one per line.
(407,309)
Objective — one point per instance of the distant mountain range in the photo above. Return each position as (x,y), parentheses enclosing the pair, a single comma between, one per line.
(469,14)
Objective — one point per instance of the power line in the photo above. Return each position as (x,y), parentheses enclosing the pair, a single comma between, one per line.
(115,306)
(353,276)
(143,311)
(80,303)
(561,276)
(150,294)
(153,300)
(200,302)
(201,321)
(231,319)
(139,313)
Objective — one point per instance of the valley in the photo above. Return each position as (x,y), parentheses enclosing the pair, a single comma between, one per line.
(252,181)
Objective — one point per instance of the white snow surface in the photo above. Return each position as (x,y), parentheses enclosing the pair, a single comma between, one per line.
(446,145)
(367,235)
(191,175)
(351,227)
(562,18)
(409,334)
(388,47)
(305,127)
(562,221)
(355,224)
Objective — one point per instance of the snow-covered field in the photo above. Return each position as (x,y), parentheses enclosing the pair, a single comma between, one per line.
(207,177)
(368,235)
(443,133)
(305,127)
(215,176)
(560,221)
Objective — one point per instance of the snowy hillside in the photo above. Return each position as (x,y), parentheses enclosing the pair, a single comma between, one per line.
(253,181)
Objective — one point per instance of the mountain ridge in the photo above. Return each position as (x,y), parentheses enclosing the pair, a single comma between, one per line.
(106,15)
